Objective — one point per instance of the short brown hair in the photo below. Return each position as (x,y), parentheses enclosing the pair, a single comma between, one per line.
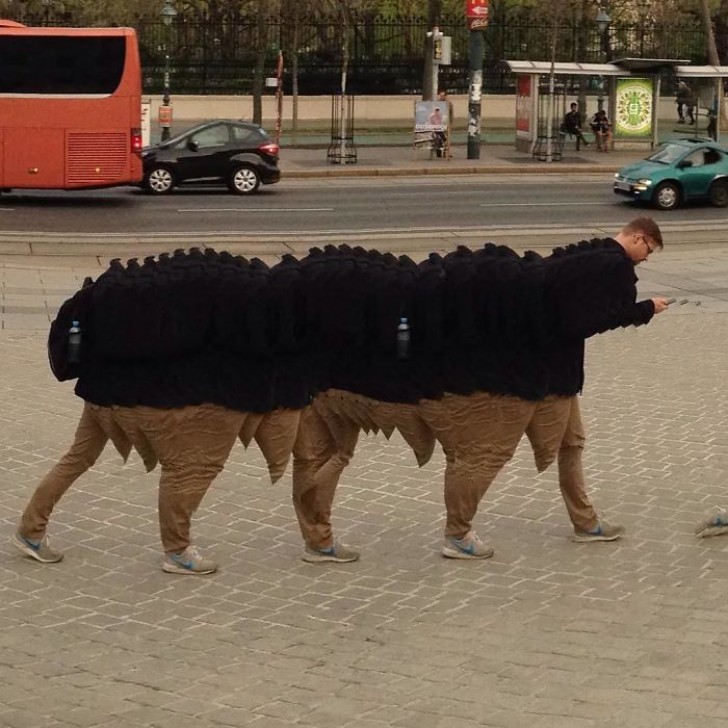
(645,224)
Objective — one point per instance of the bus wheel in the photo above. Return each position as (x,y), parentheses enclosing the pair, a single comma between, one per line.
(159,180)
(244,180)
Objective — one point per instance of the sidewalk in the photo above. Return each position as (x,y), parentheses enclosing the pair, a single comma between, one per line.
(374,160)
(547,633)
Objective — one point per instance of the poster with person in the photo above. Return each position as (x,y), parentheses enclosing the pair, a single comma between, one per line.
(431,124)
(431,116)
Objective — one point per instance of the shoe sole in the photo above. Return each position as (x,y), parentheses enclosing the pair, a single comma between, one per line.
(28,551)
(457,554)
(589,539)
(173,569)
(322,559)
(707,531)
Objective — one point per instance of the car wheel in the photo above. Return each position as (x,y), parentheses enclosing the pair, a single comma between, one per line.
(667,196)
(719,193)
(159,180)
(244,180)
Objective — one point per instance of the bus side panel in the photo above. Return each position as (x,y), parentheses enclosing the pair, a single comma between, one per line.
(39,164)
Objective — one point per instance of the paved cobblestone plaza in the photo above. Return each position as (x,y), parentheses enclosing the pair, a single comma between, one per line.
(545,634)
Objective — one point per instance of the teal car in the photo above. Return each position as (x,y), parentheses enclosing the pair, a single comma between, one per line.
(680,170)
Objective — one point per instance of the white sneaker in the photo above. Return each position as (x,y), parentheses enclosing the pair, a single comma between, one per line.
(336,553)
(189,561)
(715,524)
(39,550)
(602,532)
(467,547)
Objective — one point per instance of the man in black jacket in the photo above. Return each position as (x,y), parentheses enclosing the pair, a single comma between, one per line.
(588,288)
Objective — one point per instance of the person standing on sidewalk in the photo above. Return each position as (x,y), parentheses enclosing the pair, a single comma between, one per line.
(685,103)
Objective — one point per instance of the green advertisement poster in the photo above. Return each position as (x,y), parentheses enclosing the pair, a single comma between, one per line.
(634,112)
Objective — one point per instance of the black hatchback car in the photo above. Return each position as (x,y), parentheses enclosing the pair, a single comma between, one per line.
(235,153)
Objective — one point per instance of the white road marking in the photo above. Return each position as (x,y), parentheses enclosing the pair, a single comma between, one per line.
(257,209)
(541,204)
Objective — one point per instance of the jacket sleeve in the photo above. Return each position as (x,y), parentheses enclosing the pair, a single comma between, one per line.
(596,292)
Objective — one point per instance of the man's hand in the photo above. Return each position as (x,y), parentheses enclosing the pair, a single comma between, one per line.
(660,304)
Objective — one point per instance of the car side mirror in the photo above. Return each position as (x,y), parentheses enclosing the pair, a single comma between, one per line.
(192,145)
(685,163)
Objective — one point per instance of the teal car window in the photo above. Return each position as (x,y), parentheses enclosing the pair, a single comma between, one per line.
(669,154)
(697,158)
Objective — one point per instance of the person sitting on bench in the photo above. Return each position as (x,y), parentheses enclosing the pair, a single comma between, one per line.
(602,128)
(572,125)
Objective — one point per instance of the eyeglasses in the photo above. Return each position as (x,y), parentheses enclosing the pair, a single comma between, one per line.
(650,249)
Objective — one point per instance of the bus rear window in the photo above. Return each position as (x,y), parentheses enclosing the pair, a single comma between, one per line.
(69,65)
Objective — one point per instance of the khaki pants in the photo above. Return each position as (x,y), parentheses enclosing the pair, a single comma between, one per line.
(327,437)
(274,432)
(92,434)
(479,434)
(192,445)
(324,446)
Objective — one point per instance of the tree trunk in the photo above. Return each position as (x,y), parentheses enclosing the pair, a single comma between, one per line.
(262,27)
(713,58)
(293,51)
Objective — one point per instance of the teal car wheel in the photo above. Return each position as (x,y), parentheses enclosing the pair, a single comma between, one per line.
(667,196)
(719,193)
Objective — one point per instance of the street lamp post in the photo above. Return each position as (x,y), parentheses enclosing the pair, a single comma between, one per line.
(168,14)
(603,21)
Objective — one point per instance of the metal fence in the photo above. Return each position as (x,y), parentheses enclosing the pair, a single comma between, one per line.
(386,54)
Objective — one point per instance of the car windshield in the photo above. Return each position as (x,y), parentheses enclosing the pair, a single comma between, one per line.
(669,154)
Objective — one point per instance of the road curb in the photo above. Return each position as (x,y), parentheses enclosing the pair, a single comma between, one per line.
(365,171)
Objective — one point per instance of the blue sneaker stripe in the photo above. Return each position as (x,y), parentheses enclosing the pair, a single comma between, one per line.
(34,546)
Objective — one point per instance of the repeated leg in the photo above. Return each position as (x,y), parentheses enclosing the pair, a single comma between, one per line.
(479,434)
(323,448)
(571,472)
(556,430)
(192,444)
(275,436)
(88,443)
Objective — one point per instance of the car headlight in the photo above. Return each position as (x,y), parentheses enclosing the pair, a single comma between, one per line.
(616,175)
(645,182)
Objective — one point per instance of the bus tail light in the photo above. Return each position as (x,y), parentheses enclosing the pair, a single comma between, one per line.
(270,148)
(136,140)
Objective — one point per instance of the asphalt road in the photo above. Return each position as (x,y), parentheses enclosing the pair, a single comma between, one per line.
(335,205)
(410,215)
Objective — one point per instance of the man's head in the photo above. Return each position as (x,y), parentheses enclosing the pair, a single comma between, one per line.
(574,106)
(640,238)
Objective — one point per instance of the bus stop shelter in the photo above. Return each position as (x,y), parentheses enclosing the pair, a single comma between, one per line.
(534,108)
(630,88)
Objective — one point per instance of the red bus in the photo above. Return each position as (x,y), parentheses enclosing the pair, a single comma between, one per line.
(70,107)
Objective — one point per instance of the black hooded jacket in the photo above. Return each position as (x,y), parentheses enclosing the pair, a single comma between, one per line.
(205,327)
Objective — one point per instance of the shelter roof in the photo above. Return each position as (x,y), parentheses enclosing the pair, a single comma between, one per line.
(565,69)
(649,65)
(619,67)
(702,71)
